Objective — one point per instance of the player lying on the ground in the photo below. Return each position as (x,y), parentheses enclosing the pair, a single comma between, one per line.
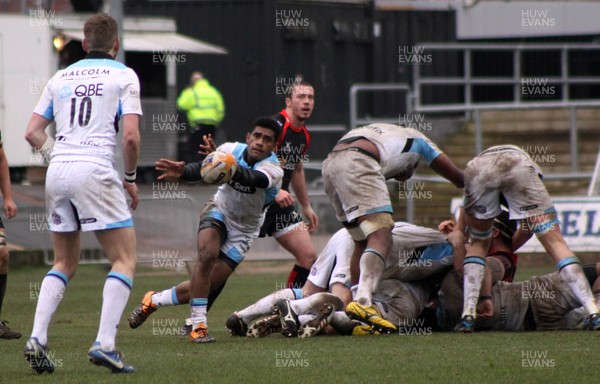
(413,267)
(540,303)
(416,253)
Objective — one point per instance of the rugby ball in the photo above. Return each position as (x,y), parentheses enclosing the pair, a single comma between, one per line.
(218,167)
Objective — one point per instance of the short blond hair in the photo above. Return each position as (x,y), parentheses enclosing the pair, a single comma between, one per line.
(100,31)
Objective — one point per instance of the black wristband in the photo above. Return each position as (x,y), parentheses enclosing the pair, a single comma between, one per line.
(484,298)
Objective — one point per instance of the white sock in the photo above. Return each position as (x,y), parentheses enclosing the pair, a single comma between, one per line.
(198,305)
(371,268)
(114,299)
(342,323)
(571,272)
(312,304)
(51,293)
(263,306)
(165,298)
(597,298)
(474,271)
(303,319)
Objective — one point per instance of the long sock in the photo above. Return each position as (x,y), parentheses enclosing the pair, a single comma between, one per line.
(297,277)
(3,278)
(474,271)
(597,297)
(571,272)
(263,306)
(313,303)
(303,319)
(114,299)
(51,293)
(371,267)
(342,323)
(165,298)
(199,305)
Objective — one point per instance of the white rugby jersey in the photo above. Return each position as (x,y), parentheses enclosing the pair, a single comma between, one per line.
(399,147)
(245,206)
(417,253)
(87,100)
(333,261)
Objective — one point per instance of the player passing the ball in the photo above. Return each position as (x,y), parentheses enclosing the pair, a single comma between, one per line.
(229,221)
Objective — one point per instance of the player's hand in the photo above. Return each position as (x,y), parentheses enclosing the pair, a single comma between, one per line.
(311,216)
(284,199)
(446,226)
(485,309)
(170,169)
(209,145)
(132,190)
(10,208)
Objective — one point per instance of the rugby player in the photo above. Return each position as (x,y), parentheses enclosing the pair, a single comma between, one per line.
(509,170)
(539,303)
(354,176)
(10,210)
(83,189)
(282,221)
(229,222)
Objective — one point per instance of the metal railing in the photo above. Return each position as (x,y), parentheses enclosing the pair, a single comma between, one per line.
(355,120)
(467,81)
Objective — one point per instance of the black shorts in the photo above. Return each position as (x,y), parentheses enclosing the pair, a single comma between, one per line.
(278,218)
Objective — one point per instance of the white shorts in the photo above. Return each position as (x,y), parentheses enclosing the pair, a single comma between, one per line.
(509,170)
(238,242)
(85,196)
(355,185)
(333,264)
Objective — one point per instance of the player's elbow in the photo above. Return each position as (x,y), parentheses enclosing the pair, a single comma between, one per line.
(131,141)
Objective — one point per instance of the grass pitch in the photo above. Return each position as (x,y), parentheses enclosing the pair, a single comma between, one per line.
(162,357)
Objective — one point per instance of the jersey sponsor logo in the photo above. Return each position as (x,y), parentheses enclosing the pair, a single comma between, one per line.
(340,275)
(65,92)
(480,209)
(528,207)
(313,271)
(85,72)
(242,188)
(88,220)
(352,209)
(89,89)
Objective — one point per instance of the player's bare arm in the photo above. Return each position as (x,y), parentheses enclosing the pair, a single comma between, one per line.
(522,235)
(10,208)
(131,153)
(298,183)
(443,166)
(36,135)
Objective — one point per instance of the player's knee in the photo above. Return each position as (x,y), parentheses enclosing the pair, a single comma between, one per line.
(545,226)
(375,222)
